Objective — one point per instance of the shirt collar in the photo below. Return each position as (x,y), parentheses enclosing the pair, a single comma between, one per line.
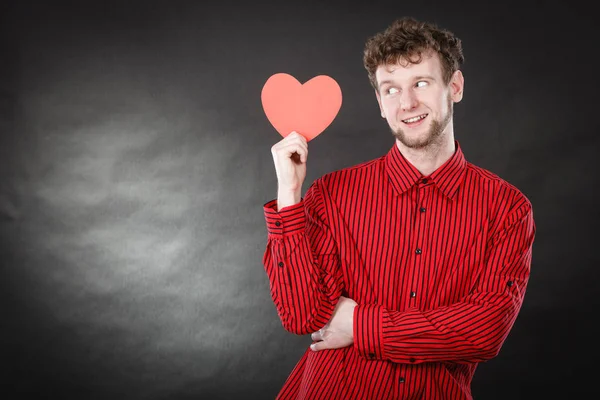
(404,175)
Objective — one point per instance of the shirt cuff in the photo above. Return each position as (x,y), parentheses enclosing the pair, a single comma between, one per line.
(368,330)
(288,220)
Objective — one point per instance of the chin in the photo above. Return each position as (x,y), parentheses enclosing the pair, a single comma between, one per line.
(413,141)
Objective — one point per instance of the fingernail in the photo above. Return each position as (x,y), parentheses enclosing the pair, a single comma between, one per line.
(312,346)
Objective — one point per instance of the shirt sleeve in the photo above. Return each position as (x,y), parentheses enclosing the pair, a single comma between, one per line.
(302,262)
(472,330)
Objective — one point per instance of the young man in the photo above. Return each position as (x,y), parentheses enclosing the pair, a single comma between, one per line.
(409,269)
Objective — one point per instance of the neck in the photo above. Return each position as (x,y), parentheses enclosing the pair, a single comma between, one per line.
(429,158)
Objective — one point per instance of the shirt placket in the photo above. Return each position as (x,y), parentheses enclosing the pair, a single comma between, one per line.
(417,248)
(419,245)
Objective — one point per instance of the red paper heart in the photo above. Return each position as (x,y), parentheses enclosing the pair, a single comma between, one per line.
(306,108)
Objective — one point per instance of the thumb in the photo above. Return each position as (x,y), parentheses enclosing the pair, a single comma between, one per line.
(318,346)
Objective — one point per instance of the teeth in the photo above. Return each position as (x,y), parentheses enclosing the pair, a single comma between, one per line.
(414,119)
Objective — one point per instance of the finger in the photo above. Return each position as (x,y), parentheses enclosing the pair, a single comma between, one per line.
(290,139)
(299,140)
(292,148)
(296,135)
(316,336)
(319,346)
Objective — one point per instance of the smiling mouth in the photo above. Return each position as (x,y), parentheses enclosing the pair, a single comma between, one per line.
(414,119)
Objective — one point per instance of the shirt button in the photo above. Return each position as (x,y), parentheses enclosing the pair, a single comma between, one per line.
(418,251)
(371,355)
(323,290)
(413,294)
(424,180)
(280,263)
(509,283)
(401,379)
(320,280)
(277,223)
(422,209)
(412,360)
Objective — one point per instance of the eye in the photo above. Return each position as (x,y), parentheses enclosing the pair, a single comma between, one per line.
(422,83)
(392,90)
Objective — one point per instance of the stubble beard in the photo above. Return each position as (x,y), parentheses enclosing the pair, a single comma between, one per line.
(432,138)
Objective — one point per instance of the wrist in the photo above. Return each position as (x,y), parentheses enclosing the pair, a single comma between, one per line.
(287,197)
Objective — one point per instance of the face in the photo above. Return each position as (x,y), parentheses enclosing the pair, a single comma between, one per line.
(416,102)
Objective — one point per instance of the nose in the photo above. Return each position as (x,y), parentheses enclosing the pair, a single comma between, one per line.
(408,100)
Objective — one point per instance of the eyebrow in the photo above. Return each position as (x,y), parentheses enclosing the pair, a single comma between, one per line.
(430,77)
(416,78)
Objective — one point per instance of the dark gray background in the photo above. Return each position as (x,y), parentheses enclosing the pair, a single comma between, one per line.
(135,160)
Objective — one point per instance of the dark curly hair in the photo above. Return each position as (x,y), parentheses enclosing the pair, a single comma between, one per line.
(406,38)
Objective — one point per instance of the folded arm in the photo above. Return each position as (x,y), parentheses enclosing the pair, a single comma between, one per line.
(471,330)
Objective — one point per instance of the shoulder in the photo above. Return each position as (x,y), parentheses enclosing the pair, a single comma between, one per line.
(343,176)
(503,196)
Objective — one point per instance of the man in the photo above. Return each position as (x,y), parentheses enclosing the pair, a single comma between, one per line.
(409,269)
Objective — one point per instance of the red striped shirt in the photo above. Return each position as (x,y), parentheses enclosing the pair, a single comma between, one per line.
(438,266)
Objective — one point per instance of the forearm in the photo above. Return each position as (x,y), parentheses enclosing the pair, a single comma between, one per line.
(304,288)
(302,263)
(465,332)
(286,198)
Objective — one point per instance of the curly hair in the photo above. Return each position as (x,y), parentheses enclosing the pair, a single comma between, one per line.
(407,39)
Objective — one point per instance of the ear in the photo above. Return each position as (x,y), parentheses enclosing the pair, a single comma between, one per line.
(379,102)
(457,85)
